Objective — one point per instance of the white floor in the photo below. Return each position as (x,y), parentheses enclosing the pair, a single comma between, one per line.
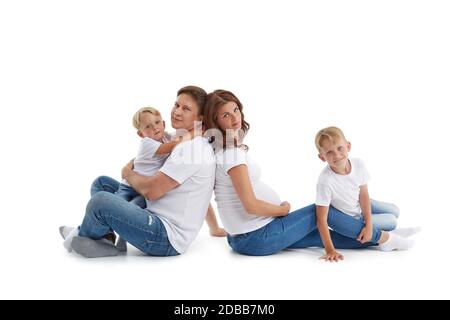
(210,270)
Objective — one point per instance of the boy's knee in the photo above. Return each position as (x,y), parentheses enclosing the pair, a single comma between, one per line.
(389,223)
(396,211)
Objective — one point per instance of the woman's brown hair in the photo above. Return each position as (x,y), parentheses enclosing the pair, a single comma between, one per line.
(214,101)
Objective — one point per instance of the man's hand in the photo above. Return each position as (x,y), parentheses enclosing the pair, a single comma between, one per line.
(127,169)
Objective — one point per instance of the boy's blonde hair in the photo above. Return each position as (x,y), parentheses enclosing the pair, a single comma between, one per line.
(331,133)
(137,115)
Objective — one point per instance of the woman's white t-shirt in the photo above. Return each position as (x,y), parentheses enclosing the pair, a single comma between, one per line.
(342,191)
(235,219)
(183,209)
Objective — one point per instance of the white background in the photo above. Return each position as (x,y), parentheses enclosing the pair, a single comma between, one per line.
(72,73)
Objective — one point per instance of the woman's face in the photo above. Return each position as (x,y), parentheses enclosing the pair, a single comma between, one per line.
(229,117)
(185,113)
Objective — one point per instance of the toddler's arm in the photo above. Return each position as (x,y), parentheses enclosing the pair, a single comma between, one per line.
(330,252)
(168,147)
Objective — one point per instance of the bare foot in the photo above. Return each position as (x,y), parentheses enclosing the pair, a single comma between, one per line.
(219,232)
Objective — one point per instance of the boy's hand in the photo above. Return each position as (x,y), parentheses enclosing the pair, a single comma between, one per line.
(365,235)
(332,255)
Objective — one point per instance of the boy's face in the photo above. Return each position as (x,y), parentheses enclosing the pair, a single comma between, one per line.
(335,152)
(151,126)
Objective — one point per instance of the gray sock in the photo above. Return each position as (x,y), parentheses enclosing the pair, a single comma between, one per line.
(64,231)
(90,248)
(68,233)
(121,245)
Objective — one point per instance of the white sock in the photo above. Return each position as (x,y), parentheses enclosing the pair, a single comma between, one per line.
(395,242)
(406,232)
(68,241)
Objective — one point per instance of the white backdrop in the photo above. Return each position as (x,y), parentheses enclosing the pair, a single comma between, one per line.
(72,73)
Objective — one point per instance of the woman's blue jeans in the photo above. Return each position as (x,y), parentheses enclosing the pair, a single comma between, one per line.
(299,230)
(106,212)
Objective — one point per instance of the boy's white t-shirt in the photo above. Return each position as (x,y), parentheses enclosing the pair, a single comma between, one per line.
(235,218)
(342,191)
(147,162)
(183,209)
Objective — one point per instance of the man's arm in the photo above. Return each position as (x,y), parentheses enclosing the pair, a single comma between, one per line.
(151,188)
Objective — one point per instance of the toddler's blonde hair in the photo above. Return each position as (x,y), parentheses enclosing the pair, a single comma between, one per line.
(137,115)
(331,133)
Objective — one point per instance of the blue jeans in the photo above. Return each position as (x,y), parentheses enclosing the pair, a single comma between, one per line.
(384,215)
(139,227)
(104,183)
(299,230)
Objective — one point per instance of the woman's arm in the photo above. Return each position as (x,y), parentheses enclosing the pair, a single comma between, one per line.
(244,189)
(151,188)
(211,220)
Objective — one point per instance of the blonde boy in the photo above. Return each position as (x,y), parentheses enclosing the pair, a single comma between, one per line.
(343,185)
(154,149)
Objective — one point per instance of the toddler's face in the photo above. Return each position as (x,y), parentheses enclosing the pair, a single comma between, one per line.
(335,152)
(151,126)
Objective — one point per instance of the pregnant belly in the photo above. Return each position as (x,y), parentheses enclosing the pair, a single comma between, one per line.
(266,193)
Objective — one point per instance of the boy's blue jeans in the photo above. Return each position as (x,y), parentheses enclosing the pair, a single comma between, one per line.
(384,215)
(107,212)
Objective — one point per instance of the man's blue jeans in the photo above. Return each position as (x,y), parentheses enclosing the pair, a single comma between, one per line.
(106,212)
(104,183)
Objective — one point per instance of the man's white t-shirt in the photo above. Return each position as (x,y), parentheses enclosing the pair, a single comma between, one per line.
(147,163)
(342,191)
(235,219)
(182,210)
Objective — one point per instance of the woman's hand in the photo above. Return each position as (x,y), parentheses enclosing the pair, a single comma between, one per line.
(286,206)
(218,232)
(332,255)
(127,169)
